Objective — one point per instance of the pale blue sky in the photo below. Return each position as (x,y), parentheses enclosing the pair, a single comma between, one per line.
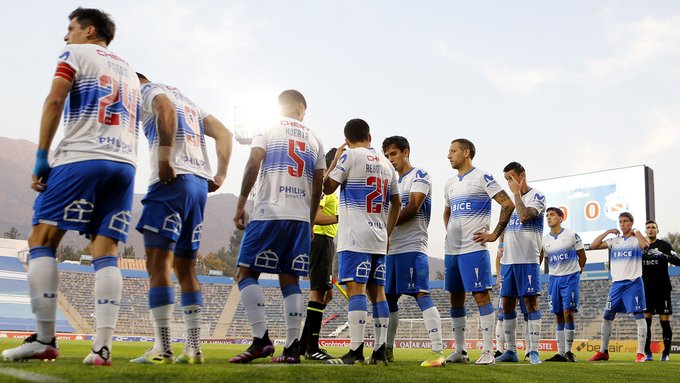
(563,88)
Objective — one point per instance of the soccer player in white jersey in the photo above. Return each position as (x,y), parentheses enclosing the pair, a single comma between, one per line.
(88,187)
(627,293)
(407,265)
(520,260)
(290,160)
(563,251)
(369,208)
(467,217)
(172,219)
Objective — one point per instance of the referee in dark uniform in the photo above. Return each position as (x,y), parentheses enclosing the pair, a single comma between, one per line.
(658,287)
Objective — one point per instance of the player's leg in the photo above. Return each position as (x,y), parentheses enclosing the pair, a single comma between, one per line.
(652,299)
(555,306)
(456,289)
(648,345)
(666,331)
(420,285)
(500,332)
(393,303)
(381,317)
(159,254)
(318,285)
(529,287)
(509,302)
(354,269)
(43,280)
(614,304)
(293,311)
(192,306)
(570,290)
(634,301)
(477,279)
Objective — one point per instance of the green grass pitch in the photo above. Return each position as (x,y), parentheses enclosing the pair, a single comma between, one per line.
(69,368)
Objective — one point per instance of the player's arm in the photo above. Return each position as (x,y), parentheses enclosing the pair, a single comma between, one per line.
(223,145)
(507,207)
(598,241)
(323,219)
(166,121)
(540,257)
(329,184)
(524,213)
(249,178)
(672,256)
(581,258)
(49,123)
(499,255)
(415,201)
(447,215)
(317,185)
(642,241)
(393,214)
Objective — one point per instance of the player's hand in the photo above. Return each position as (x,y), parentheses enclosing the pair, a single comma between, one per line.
(482,237)
(38,184)
(341,149)
(216,182)
(166,173)
(499,252)
(514,185)
(240,218)
(613,231)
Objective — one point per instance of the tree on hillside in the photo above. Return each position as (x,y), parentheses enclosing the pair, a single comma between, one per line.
(13,233)
(439,276)
(67,253)
(674,240)
(225,260)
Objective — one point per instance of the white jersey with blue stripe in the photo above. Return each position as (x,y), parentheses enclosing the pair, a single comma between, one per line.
(625,259)
(469,198)
(293,152)
(189,155)
(101,113)
(367,181)
(523,240)
(411,236)
(560,251)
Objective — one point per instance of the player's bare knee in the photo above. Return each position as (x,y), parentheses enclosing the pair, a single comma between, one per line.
(457,299)
(45,235)
(482,297)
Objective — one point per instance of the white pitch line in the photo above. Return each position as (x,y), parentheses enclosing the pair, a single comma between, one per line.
(30,376)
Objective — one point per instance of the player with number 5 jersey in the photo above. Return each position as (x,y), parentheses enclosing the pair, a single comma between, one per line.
(291,162)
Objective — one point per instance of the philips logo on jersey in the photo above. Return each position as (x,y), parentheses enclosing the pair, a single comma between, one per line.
(293,191)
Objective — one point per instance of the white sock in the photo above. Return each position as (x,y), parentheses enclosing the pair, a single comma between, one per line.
(459,325)
(569,339)
(380,324)
(43,281)
(641,334)
(535,334)
(433,324)
(192,325)
(357,326)
(607,332)
(510,330)
(560,342)
(162,321)
(487,324)
(527,336)
(500,336)
(293,310)
(392,329)
(252,299)
(108,289)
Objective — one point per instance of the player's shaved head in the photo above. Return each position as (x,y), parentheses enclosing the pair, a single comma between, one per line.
(100,20)
(399,142)
(357,130)
(289,99)
(466,144)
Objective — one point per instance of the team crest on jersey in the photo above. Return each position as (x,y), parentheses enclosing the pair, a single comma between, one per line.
(120,221)
(79,211)
(301,263)
(267,259)
(173,223)
(363,270)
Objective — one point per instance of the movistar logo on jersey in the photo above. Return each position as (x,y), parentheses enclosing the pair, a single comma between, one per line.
(65,55)
(488,178)
(420,174)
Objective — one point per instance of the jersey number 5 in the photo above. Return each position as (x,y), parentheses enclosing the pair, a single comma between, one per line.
(299,168)
(376,198)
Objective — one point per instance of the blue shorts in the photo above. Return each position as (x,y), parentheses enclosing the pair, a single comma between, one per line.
(91,197)
(361,267)
(175,210)
(520,303)
(627,297)
(468,272)
(563,292)
(407,273)
(520,280)
(276,247)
